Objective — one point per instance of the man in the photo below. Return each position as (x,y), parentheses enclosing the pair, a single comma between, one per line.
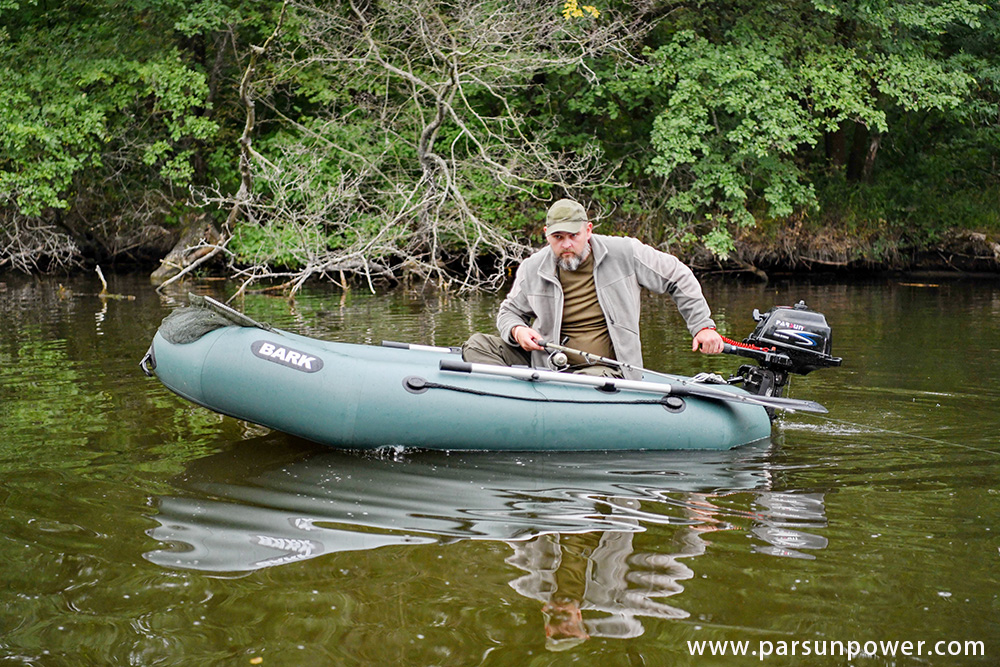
(582,290)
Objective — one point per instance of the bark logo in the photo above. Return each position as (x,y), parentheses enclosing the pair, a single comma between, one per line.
(285,356)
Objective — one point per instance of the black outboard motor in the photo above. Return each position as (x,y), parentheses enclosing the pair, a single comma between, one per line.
(788,339)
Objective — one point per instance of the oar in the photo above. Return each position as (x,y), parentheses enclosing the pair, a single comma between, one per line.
(612,384)
(417,346)
(774,402)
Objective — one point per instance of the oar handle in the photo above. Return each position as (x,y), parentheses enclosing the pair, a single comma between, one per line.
(455,366)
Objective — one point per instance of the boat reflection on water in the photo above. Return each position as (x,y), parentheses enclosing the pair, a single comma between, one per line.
(570,519)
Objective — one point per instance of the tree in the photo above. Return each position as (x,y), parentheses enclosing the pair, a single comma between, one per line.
(402,152)
(422,139)
(755,88)
(106,113)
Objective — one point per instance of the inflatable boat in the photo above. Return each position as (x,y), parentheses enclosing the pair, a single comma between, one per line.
(415,396)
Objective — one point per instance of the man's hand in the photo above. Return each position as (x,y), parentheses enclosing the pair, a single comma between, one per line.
(526,337)
(708,341)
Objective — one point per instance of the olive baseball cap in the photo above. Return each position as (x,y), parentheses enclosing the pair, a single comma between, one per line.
(565,215)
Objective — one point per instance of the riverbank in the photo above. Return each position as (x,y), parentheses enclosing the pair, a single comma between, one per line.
(797,250)
(760,253)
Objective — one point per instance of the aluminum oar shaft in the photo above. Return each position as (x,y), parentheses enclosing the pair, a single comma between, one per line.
(612,384)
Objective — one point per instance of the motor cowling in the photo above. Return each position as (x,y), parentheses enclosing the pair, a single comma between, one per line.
(787,339)
(798,332)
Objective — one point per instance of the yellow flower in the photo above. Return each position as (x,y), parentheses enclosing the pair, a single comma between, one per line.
(571,9)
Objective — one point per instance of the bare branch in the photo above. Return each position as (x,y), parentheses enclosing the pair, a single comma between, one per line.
(421,127)
(25,240)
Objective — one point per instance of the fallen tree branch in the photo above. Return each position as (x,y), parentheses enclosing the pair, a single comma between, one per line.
(247,154)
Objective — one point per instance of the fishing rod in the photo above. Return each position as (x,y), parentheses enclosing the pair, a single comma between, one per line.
(563,361)
(694,388)
(788,340)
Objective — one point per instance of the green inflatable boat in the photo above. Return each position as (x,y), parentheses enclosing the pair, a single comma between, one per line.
(413,396)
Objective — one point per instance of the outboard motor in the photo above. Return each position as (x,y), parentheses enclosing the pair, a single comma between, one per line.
(787,339)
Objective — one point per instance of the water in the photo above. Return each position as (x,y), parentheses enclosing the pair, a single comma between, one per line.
(139,529)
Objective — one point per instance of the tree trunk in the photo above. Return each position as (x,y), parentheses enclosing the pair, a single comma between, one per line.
(836,145)
(198,237)
(859,151)
(869,169)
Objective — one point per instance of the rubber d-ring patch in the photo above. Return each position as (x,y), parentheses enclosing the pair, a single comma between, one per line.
(674,404)
(414,384)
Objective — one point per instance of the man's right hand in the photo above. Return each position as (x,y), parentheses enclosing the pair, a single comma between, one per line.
(527,338)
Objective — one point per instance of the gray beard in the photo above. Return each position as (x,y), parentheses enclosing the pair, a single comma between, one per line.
(574,262)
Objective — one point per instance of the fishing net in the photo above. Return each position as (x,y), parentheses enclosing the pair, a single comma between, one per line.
(188,324)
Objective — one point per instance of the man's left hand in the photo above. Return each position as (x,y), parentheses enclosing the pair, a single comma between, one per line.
(708,341)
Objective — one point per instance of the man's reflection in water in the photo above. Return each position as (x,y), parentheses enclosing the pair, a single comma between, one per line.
(601,573)
(578,523)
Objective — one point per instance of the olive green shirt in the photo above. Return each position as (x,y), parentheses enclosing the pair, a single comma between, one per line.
(583,321)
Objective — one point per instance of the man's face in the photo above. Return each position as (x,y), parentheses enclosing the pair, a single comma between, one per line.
(571,249)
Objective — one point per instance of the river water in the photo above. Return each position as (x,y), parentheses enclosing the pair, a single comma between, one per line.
(139,529)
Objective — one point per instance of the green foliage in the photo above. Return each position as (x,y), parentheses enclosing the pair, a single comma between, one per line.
(274,244)
(112,109)
(874,115)
(85,89)
(750,101)
(921,193)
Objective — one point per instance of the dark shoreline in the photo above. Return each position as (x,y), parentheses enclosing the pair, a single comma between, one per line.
(758,257)
(922,271)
